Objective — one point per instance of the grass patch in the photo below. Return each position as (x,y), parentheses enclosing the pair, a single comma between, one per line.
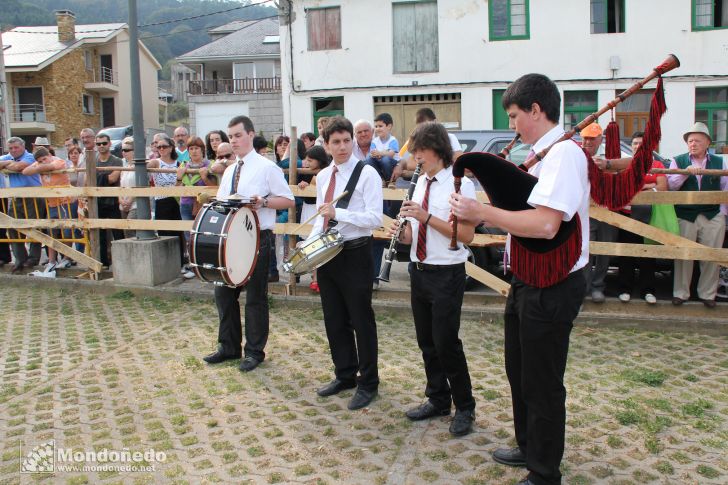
(708,471)
(651,378)
(123,295)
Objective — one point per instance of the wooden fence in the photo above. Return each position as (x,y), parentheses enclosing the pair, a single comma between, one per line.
(671,247)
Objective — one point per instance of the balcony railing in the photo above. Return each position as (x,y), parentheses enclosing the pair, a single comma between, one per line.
(28,112)
(106,75)
(236,86)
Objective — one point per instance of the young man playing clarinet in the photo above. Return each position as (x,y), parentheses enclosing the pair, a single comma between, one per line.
(251,176)
(345,282)
(538,320)
(437,277)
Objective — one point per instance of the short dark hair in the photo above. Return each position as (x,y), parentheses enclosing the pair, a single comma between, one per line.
(259,142)
(318,153)
(424,114)
(385,118)
(41,152)
(196,141)
(432,135)
(223,137)
(104,135)
(244,120)
(308,136)
(338,124)
(534,88)
(637,134)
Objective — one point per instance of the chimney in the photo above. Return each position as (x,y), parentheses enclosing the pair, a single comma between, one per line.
(66,21)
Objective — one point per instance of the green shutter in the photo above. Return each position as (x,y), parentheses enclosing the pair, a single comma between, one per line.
(500,117)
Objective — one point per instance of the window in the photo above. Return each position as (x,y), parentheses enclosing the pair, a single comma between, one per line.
(711,107)
(414,39)
(577,106)
(710,14)
(88,60)
(607,16)
(324,28)
(508,19)
(326,107)
(88,104)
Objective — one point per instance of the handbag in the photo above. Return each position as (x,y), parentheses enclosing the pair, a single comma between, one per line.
(664,217)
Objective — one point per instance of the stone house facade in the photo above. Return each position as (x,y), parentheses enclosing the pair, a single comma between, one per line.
(66,77)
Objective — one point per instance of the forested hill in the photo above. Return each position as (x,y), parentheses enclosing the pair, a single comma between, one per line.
(165,40)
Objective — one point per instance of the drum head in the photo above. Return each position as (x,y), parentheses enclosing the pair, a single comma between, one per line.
(240,248)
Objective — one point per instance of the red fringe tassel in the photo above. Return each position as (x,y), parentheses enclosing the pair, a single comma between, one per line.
(613,150)
(548,268)
(614,191)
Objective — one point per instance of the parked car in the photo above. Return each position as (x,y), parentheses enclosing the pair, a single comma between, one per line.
(116,134)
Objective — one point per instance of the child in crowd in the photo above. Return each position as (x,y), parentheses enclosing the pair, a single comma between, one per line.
(58,207)
(384,152)
(316,160)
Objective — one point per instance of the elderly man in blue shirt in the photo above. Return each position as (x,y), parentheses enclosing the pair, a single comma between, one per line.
(15,162)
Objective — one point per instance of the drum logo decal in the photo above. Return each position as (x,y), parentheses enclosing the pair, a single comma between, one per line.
(248,223)
(213,219)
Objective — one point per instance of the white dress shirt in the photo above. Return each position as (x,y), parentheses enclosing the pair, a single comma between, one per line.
(438,205)
(258,176)
(563,184)
(365,206)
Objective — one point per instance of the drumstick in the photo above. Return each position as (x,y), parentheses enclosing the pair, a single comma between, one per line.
(317,212)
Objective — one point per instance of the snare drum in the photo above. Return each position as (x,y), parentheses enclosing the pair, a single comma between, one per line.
(224,243)
(315,253)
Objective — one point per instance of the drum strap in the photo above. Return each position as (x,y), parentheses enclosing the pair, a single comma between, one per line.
(343,203)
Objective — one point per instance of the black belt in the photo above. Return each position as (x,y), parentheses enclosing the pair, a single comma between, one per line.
(435,267)
(356,243)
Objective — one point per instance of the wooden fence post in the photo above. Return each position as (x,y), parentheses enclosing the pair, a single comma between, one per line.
(92,206)
(292,180)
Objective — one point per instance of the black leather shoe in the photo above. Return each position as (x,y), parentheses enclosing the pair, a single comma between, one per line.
(462,423)
(510,457)
(335,387)
(249,363)
(677,301)
(426,410)
(708,303)
(17,268)
(217,357)
(361,399)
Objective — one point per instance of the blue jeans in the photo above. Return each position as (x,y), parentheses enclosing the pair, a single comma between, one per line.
(384,165)
(185,210)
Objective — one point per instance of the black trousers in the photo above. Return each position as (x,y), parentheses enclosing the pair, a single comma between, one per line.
(646,266)
(230,334)
(538,322)
(108,212)
(168,209)
(437,297)
(346,297)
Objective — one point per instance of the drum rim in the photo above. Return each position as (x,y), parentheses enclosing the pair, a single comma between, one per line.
(221,252)
(193,241)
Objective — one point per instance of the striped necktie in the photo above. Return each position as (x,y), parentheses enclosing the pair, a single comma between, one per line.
(422,232)
(236,177)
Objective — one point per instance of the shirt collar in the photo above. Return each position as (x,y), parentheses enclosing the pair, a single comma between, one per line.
(442,175)
(700,163)
(348,166)
(548,138)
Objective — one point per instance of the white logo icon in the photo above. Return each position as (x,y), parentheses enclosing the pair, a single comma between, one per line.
(40,459)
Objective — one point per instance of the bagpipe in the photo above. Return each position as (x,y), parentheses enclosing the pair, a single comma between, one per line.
(545,262)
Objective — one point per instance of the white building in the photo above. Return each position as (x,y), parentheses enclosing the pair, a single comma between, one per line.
(237,73)
(360,58)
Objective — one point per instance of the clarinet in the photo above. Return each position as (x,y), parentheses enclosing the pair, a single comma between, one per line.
(392,249)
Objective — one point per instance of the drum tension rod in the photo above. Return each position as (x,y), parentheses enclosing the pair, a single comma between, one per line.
(206,233)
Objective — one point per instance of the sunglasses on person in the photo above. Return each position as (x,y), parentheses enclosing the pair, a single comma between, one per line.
(226,155)
(159,147)
(102,143)
(126,150)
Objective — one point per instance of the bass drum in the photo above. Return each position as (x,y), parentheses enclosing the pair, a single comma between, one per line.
(224,243)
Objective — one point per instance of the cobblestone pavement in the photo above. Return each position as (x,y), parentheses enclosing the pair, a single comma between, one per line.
(115,372)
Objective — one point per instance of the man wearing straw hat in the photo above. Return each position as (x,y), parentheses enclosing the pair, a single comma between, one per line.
(704,223)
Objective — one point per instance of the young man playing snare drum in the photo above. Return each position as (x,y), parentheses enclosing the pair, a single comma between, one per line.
(252,176)
(345,282)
